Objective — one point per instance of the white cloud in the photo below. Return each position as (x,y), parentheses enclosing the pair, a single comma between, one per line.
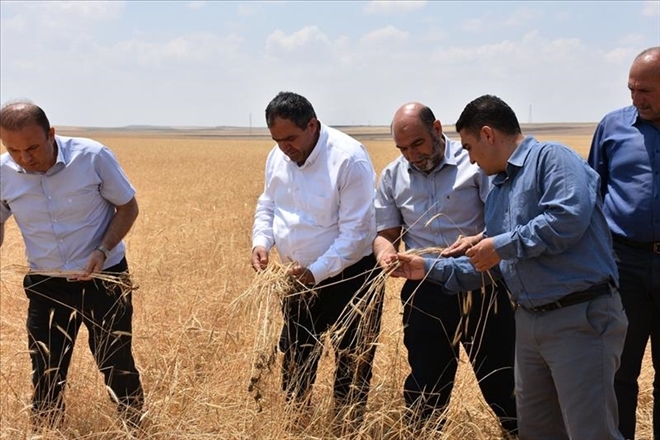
(196,5)
(391,7)
(196,48)
(620,55)
(301,38)
(79,12)
(651,9)
(388,34)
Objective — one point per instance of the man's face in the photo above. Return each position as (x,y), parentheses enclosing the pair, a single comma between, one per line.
(420,146)
(295,142)
(480,151)
(644,85)
(31,147)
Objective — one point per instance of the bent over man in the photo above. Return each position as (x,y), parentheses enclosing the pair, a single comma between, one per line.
(317,209)
(74,205)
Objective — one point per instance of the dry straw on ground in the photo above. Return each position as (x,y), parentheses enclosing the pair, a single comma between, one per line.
(189,253)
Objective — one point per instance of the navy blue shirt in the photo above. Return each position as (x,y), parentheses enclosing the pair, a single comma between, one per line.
(625,151)
(545,215)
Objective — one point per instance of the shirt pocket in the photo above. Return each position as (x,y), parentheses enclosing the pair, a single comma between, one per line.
(320,210)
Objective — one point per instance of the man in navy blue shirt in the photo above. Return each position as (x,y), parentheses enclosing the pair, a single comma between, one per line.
(547,236)
(626,153)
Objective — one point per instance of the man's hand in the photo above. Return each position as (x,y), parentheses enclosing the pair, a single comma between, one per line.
(461,245)
(483,255)
(94,265)
(259,258)
(384,246)
(302,275)
(409,266)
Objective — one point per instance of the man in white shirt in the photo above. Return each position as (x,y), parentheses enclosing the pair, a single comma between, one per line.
(317,209)
(428,197)
(74,205)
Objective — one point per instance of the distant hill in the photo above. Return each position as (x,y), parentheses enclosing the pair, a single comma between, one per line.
(359,131)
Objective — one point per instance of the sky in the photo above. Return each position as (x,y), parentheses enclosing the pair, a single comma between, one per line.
(207,64)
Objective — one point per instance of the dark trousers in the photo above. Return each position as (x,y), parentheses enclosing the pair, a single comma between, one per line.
(310,315)
(434,322)
(56,310)
(639,279)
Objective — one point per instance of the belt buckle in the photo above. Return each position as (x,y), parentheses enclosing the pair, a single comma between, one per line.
(656,247)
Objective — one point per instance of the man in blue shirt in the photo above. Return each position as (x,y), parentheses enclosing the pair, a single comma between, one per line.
(546,235)
(626,153)
(428,197)
(73,205)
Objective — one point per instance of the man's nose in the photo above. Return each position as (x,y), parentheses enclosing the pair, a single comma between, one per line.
(25,156)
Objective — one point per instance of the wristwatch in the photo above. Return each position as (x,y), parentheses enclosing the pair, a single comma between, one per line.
(104,250)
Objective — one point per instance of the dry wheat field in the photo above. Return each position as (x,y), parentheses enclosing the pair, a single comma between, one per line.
(194,342)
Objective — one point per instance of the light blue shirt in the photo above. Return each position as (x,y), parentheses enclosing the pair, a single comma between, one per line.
(434,208)
(625,151)
(546,217)
(64,212)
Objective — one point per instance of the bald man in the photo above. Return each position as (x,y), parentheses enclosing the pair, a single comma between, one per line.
(429,197)
(626,153)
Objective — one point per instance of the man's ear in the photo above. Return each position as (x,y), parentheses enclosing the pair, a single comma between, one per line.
(488,133)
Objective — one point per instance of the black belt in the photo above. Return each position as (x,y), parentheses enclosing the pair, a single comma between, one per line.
(575,298)
(653,246)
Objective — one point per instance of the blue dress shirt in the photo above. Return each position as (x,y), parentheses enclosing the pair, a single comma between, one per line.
(625,151)
(545,215)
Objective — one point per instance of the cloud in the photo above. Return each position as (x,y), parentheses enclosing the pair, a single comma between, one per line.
(196,5)
(651,9)
(195,49)
(392,7)
(307,35)
(388,34)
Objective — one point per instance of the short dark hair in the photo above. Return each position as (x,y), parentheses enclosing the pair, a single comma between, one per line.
(15,116)
(291,106)
(491,111)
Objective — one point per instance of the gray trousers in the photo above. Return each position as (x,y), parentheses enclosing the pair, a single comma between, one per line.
(564,370)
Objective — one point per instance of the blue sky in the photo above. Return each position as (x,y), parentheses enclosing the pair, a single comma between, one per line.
(209,63)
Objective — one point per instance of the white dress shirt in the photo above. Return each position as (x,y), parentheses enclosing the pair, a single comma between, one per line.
(320,214)
(64,212)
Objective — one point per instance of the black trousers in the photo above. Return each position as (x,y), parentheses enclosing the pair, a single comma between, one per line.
(56,310)
(432,320)
(639,281)
(309,316)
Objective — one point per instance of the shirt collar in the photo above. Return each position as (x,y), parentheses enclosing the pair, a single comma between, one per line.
(516,161)
(60,161)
